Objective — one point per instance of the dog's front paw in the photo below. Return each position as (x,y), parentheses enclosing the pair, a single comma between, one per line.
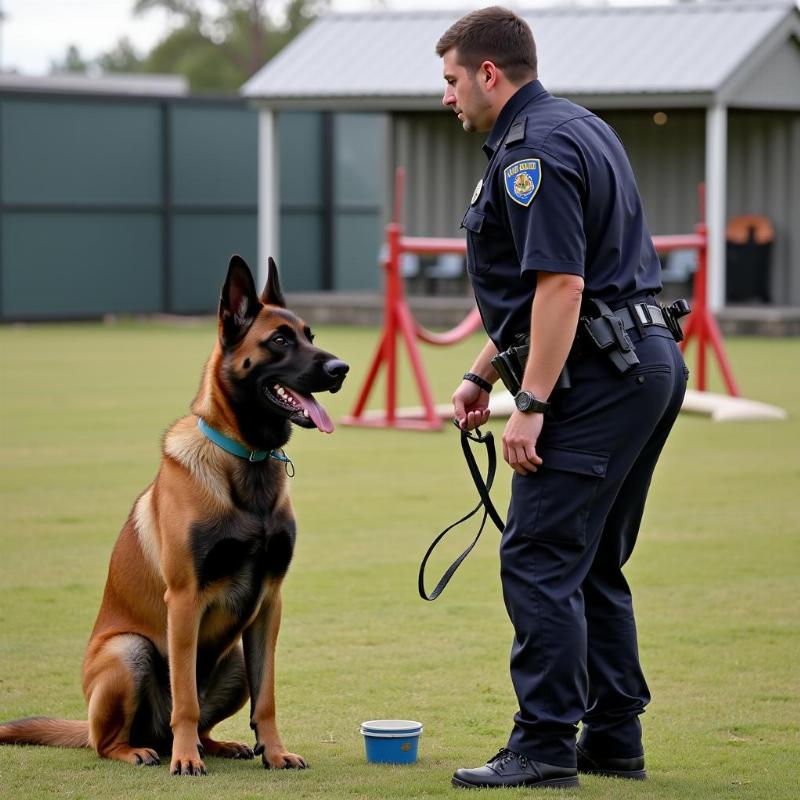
(279,758)
(146,756)
(211,747)
(187,763)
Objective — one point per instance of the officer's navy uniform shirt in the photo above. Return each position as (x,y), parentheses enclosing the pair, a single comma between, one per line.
(585,217)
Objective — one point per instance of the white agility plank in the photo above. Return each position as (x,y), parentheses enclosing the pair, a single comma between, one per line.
(723,408)
(718,407)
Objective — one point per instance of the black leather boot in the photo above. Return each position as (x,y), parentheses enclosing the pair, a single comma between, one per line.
(591,764)
(508,769)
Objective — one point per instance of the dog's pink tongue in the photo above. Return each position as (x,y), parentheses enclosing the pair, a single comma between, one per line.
(319,416)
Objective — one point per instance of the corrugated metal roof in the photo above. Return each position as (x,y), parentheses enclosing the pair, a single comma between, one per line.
(582,51)
(126,84)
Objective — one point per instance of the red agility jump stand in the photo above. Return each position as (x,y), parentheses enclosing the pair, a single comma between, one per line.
(398,321)
(700,324)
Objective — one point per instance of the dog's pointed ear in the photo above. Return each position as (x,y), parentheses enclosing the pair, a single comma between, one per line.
(238,303)
(272,294)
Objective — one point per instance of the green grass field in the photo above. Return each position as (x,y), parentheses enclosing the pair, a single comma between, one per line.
(715,579)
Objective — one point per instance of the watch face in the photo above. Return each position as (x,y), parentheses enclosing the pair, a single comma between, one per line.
(523,400)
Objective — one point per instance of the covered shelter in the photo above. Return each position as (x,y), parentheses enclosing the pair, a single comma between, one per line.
(698,93)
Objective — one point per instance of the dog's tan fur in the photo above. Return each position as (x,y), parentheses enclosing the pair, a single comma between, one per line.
(158,608)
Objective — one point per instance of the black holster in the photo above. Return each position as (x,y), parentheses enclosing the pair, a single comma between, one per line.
(607,334)
(510,366)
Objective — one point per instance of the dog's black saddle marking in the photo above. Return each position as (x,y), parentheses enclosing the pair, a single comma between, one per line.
(241,545)
(241,553)
(251,543)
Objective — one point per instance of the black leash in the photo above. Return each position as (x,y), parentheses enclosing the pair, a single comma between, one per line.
(489,510)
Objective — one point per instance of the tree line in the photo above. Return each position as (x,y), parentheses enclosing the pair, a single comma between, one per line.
(217,45)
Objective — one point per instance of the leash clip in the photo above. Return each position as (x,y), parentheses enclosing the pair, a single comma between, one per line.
(280,455)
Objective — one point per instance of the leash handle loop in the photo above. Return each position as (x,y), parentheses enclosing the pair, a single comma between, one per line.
(488,509)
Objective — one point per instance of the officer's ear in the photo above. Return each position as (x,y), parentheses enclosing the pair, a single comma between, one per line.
(487,74)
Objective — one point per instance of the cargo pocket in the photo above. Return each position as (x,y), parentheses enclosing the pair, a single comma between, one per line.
(476,259)
(556,500)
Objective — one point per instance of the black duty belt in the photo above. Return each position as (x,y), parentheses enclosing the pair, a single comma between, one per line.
(603,330)
(641,315)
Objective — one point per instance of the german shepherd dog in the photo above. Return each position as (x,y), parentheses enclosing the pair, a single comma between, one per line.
(189,619)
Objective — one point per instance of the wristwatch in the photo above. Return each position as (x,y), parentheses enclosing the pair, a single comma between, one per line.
(528,404)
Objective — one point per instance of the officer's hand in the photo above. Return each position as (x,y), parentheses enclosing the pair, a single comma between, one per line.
(519,442)
(470,405)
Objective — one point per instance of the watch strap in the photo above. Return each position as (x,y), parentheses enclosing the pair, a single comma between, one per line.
(533,405)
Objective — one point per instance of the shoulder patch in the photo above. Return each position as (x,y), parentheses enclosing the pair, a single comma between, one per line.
(522,180)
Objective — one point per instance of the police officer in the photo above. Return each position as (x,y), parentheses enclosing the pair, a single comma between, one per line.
(556,234)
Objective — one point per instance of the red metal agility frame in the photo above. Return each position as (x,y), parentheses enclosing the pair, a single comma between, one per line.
(398,321)
(701,323)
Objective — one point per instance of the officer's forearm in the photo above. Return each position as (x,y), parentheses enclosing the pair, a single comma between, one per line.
(554,319)
(482,365)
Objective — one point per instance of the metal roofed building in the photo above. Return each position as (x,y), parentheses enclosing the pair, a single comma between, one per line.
(124,84)
(725,77)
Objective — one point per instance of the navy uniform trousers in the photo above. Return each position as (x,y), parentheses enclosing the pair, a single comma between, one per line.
(571,527)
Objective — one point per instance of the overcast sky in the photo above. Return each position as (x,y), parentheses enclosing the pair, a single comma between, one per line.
(37,32)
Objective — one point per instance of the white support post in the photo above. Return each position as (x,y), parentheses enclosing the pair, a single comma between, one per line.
(268,193)
(716,190)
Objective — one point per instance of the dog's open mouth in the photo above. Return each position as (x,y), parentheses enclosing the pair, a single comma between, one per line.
(302,409)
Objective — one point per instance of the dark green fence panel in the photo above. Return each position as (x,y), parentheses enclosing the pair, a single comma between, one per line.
(118,205)
(359,185)
(202,247)
(79,264)
(301,251)
(302,191)
(214,195)
(214,156)
(357,246)
(134,205)
(80,152)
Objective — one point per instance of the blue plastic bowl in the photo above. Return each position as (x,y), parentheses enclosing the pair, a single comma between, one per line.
(391,741)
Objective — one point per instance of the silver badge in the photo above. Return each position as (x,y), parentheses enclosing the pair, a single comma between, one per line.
(477,193)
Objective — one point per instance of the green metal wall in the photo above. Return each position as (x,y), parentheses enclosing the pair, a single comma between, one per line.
(113,206)
(303,175)
(359,178)
(332,190)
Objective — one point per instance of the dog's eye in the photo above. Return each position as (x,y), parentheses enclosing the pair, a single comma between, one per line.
(281,341)
(246,363)
(310,336)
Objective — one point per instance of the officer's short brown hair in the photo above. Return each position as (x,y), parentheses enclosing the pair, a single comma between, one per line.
(492,34)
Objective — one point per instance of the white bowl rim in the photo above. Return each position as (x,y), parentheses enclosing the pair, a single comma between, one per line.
(391,725)
(415,734)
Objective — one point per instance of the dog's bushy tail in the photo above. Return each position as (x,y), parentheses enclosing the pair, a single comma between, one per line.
(47,731)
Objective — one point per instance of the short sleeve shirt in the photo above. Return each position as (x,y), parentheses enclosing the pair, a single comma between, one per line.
(558,195)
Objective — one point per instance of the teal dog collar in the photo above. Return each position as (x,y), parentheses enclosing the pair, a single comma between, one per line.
(235,448)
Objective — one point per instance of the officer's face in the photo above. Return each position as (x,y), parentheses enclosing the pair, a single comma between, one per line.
(466,95)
